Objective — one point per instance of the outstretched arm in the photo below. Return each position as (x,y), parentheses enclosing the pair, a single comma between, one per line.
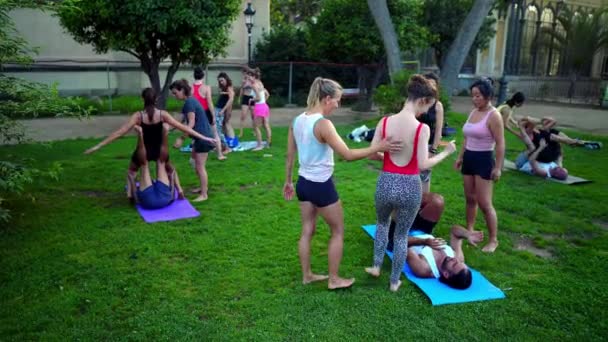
(134,120)
(186,129)
(329,135)
(424,162)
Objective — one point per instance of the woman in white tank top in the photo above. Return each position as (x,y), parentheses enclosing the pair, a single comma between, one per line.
(315,139)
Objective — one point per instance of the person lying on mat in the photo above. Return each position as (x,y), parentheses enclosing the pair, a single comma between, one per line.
(545,170)
(430,257)
(159,193)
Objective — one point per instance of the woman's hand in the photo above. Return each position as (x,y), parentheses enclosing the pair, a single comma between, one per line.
(389,145)
(496,173)
(92,149)
(458,164)
(288,191)
(450,147)
(178,142)
(435,243)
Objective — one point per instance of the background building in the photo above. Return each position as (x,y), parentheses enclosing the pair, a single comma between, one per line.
(78,70)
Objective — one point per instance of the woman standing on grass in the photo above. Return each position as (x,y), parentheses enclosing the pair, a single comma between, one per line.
(315,139)
(199,121)
(246,94)
(261,111)
(434,119)
(399,185)
(223,109)
(151,121)
(202,93)
(483,134)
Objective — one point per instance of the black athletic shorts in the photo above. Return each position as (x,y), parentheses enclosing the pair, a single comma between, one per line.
(201,146)
(478,163)
(245,100)
(319,194)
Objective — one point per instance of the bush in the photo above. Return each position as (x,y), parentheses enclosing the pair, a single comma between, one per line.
(19,99)
(390,97)
(23,99)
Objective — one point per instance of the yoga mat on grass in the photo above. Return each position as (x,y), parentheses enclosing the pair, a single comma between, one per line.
(247,145)
(179,209)
(509,165)
(439,293)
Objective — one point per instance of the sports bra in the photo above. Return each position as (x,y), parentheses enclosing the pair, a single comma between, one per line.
(412,167)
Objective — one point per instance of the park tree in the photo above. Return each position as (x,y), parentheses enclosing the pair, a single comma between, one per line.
(441,17)
(290,12)
(461,45)
(153,31)
(345,32)
(382,18)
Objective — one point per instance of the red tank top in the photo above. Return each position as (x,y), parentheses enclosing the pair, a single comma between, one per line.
(197,95)
(412,167)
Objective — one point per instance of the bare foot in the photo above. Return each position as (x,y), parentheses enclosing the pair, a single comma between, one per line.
(340,283)
(490,247)
(313,278)
(227,150)
(195,190)
(373,271)
(221,157)
(258,148)
(200,198)
(395,287)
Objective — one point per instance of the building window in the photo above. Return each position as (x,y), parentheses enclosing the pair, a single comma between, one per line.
(528,37)
(544,38)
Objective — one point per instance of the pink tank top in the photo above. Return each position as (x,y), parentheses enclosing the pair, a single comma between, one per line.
(197,95)
(479,137)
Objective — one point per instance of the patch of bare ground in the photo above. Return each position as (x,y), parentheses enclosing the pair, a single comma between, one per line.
(526,244)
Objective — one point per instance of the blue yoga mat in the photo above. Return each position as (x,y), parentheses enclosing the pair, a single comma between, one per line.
(439,293)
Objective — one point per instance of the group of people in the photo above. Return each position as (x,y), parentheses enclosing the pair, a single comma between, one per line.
(209,130)
(543,154)
(407,144)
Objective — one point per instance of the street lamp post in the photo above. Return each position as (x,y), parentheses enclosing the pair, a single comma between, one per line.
(249,13)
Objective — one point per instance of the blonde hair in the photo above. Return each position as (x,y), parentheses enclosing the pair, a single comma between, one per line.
(321,88)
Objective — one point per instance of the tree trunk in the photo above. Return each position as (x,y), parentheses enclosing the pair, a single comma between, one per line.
(363,100)
(382,18)
(456,55)
(162,99)
(151,69)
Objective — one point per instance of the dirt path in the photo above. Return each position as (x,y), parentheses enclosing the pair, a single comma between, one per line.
(587,119)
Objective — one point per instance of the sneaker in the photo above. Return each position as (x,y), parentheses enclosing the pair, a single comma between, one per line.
(593,145)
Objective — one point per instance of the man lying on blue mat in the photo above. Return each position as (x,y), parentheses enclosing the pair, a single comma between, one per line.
(430,257)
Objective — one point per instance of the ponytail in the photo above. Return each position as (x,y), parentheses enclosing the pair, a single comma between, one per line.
(321,88)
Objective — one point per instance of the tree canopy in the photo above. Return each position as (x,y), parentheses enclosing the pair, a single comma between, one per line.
(182,31)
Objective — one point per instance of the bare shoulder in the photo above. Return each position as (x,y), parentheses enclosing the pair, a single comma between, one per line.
(439,106)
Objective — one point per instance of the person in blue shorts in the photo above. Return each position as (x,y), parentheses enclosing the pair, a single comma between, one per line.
(158,193)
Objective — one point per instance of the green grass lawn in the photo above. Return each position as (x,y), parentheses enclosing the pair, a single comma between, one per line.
(78,262)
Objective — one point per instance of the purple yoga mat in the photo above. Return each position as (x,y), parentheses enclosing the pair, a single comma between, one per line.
(179,209)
